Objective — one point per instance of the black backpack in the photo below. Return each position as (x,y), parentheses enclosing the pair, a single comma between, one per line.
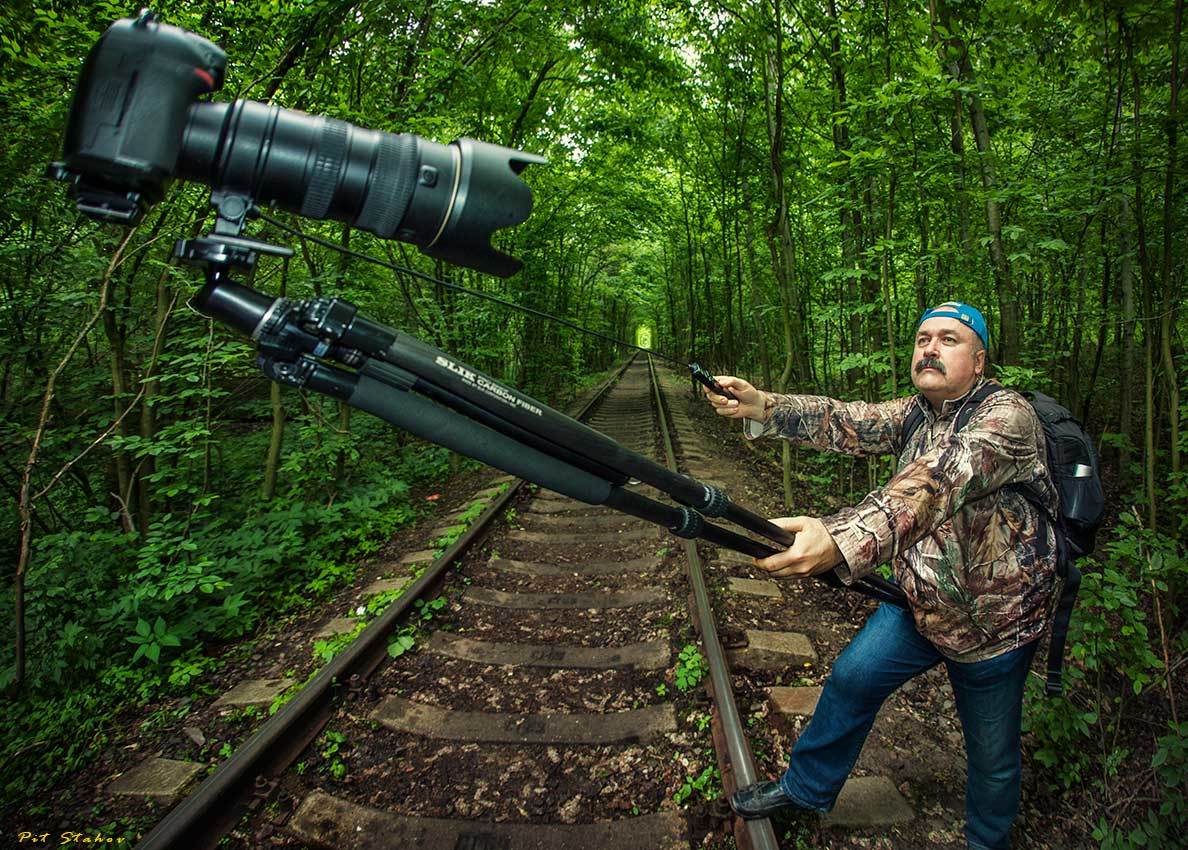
(1076,473)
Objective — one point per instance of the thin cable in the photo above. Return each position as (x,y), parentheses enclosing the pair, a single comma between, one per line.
(431,279)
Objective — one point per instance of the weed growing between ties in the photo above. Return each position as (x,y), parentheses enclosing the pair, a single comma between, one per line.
(691,668)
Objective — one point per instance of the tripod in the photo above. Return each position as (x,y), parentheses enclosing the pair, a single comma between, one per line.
(322,344)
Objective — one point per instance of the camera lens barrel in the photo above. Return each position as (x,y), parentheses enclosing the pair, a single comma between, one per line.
(397,186)
(312,165)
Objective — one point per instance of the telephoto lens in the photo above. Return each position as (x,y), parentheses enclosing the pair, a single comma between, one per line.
(446,199)
(136,122)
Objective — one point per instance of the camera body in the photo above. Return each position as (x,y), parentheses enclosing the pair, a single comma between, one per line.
(124,134)
(137,121)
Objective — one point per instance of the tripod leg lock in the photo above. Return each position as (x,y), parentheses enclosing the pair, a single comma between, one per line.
(287,373)
(714,502)
(308,373)
(691,525)
(329,318)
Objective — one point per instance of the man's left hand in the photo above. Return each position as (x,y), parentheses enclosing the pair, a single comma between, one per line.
(812,553)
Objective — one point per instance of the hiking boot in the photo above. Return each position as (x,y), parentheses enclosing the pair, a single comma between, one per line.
(762,800)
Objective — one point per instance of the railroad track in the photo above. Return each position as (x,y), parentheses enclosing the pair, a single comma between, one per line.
(547,704)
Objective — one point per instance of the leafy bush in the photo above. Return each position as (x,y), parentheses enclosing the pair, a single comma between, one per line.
(116,619)
(1114,671)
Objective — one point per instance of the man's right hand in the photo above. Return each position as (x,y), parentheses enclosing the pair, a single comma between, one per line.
(749,403)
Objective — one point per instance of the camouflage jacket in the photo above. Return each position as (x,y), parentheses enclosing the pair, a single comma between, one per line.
(976,559)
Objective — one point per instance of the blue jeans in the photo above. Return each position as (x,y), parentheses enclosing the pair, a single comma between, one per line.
(885,654)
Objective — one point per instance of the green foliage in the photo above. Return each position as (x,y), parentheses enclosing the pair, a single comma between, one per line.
(56,733)
(150,639)
(401,642)
(189,667)
(472,511)
(428,608)
(325,649)
(1159,827)
(666,208)
(700,720)
(332,745)
(706,784)
(448,537)
(691,668)
(141,633)
(193,576)
(378,603)
(1113,659)
(1019,377)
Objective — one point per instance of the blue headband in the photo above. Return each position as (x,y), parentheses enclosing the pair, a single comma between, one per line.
(969,316)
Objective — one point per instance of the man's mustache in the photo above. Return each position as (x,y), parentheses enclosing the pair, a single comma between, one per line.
(930,363)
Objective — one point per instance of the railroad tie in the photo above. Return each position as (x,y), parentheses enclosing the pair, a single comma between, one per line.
(581,568)
(254,692)
(649,655)
(621,727)
(575,538)
(753,587)
(581,600)
(332,822)
(777,651)
(156,778)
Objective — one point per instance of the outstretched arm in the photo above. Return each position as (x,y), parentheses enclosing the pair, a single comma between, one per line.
(855,427)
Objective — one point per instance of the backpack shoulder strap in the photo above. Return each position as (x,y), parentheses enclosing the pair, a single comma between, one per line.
(915,417)
(975,401)
(911,423)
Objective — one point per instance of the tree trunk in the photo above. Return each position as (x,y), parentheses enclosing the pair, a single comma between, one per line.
(689,275)
(26,497)
(276,435)
(957,146)
(148,412)
(886,283)
(1126,371)
(1148,299)
(782,386)
(1107,278)
(920,276)
(115,331)
(756,301)
(849,214)
(1075,368)
(955,56)
(781,233)
(714,349)
(1166,282)
(344,409)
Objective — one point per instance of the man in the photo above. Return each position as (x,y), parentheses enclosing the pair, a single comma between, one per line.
(976,559)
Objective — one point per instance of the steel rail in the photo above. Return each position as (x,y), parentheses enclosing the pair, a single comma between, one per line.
(201,820)
(756,834)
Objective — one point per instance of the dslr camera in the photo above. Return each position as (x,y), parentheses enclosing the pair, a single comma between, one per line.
(137,121)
